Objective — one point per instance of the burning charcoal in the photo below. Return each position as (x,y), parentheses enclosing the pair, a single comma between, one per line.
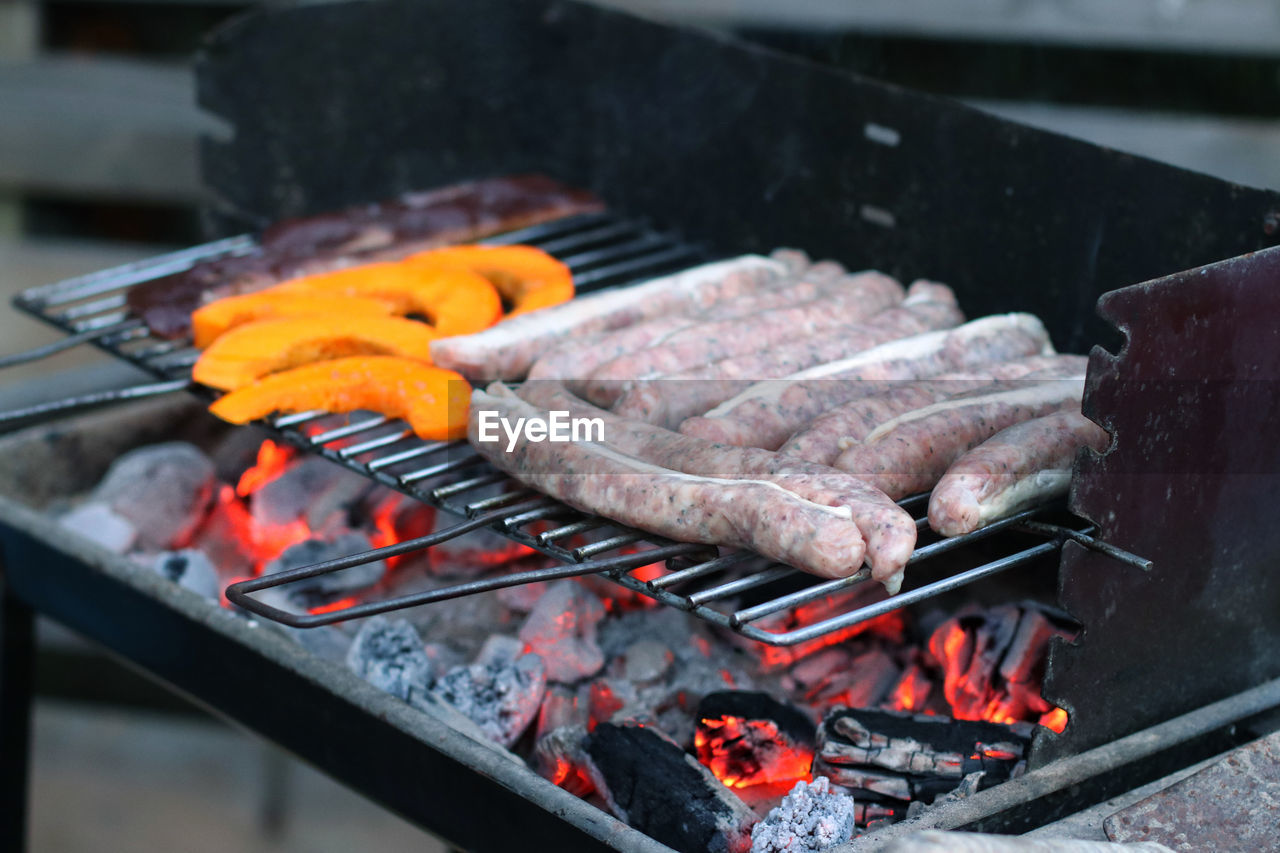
(562,629)
(313,491)
(864,683)
(993,662)
(476,552)
(163,489)
(895,758)
(748,738)
(191,569)
(99,524)
(647,661)
(811,818)
(390,655)
(652,784)
(323,587)
(501,699)
(560,757)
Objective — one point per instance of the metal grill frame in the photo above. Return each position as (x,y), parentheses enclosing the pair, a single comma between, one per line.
(602,250)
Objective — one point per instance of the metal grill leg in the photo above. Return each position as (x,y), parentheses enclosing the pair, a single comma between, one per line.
(17,654)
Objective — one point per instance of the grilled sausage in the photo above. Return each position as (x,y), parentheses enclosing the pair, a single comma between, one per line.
(507,350)
(909,453)
(828,435)
(852,299)
(671,400)
(579,358)
(597,478)
(767,413)
(1017,468)
(889,530)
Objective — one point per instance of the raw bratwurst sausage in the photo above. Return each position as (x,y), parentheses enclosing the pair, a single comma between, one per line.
(1017,468)
(597,478)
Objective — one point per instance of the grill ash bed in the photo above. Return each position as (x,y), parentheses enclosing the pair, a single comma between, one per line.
(762,152)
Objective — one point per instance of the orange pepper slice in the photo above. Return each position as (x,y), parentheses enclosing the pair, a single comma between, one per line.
(214,320)
(433,400)
(251,351)
(454,300)
(528,278)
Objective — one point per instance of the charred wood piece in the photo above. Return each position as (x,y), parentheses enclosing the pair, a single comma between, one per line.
(652,784)
(898,758)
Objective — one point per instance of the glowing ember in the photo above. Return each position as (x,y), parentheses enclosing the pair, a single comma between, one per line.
(272,460)
(911,691)
(1055,720)
(332,606)
(742,752)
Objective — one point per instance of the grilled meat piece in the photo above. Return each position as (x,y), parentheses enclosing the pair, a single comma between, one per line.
(363,234)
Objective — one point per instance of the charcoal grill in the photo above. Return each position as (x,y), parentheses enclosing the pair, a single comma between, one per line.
(746,150)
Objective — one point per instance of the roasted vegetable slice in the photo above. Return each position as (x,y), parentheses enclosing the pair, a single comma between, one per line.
(251,351)
(433,400)
(455,300)
(217,318)
(528,278)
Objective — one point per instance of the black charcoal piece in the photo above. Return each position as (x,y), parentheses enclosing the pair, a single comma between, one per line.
(810,818)
(659,789)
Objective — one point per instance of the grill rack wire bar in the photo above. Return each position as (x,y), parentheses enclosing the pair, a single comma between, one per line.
(93,309)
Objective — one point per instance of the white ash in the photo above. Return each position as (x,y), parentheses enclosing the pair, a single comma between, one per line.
(314,551)
(499,650)
(647,661)
(163,489)
(562,629)
(189,568)
(100,525)
(811,818)
(501,699)
(522,598)
(391,656)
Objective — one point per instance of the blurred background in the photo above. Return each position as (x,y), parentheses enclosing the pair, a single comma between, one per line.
(98,166)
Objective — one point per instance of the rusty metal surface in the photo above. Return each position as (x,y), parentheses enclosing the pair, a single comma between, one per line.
(1231,805)
(1190,481)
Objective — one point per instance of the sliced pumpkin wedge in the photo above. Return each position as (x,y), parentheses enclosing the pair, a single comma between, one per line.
(214,320)
(251,351)
(454,300)
(433,400)
(528,278)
